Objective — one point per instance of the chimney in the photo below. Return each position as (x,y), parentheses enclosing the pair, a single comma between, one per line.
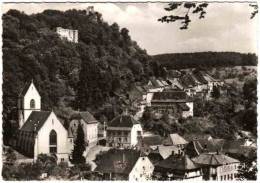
(173,153)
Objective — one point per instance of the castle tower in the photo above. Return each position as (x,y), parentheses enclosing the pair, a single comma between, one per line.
(29,100)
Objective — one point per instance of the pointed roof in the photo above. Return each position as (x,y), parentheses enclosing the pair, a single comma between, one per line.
(214,159)
(26,88)
(179,163)
(35,121)
(175,139)
(123,120)
(119,161)
(85,116)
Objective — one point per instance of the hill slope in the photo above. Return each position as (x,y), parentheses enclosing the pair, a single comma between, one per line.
(78,76)
(205,59)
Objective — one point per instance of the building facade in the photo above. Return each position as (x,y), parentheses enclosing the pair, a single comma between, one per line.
(123,131)
(42,132)
(89,125)
(69,34)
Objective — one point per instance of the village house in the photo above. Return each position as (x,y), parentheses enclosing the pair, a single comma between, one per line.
(217,166)
(175,102)
(175,140)
(68,34)
(178,167)
(41,132)
(124,164)
(89,125)
(123,131)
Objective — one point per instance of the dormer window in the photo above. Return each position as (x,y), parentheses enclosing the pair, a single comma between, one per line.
(32,104)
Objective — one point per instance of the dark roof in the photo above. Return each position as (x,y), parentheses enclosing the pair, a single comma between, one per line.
(119,161)
(26,87)
(85,116)
(183,106)
(193,149)
(187,81)
(35,121)
(214,159)
(123,120)
(170,95)
(196,136)
(200,77)
(178,162)
(152,140)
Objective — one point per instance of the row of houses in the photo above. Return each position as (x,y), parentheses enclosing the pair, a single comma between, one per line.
(173,158)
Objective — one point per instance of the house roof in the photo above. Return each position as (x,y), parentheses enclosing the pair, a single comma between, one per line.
(196,136)
(200,77)
(166,151)
(152,140)
(174,139)
(194,148)
(35,121)
(119,161)
(85,116)
(170,95)
(123,120)
(25,88)
(214,159)
(187,81)
(178,162)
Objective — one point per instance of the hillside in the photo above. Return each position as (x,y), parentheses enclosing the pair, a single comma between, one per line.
(205,59)
(69,76)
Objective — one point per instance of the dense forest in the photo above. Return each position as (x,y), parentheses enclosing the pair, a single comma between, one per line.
(86,75)
(205,59)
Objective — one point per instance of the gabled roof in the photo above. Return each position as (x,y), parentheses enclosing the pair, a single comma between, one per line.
(196,136)
(152,140)
(179,163)
(35,121)
(170,96)
(123,120)
(187,81)
(194,148)
(120,161)
(85,116)
(214,159)
(175,139)
(25,88)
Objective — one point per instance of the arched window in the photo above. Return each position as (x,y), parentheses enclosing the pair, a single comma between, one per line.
(32,104)
(53,142)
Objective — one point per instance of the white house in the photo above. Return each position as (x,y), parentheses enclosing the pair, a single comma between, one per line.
(124,164)
(89,124)
(69,34)
(178,167)
(217,166)
(123,131)
(41,132)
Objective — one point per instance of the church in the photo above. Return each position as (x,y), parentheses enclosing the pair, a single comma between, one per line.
(40,132)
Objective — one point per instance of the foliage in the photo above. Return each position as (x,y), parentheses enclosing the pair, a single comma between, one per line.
(204,59)
(247,170)
(215,92)
(64,72)
(182,11)
(189,7)
(79,147)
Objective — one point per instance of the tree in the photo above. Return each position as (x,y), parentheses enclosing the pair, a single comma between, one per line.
(215,93)
(79,147)
(247,170)
(189,8)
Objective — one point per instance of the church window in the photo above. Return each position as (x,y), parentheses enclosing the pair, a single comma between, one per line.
(53,142)
(32,104)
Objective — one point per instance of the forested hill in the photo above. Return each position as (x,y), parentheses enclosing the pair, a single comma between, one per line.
(205,59)
(81,76)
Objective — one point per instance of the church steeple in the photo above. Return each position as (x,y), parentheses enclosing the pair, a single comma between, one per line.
(29,100)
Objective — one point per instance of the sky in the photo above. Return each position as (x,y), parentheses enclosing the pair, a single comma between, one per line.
(226,27)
